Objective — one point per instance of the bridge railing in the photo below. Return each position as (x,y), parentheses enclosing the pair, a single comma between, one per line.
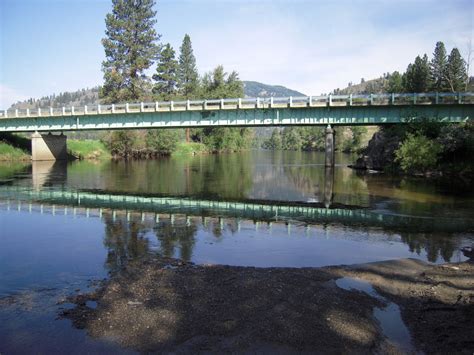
(249,103)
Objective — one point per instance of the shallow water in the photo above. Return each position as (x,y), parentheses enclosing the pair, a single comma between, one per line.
(389,316)
(62,225)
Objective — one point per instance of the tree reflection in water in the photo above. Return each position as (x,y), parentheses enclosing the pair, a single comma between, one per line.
(176,235)
(435,245)
(124,240)
(131,238)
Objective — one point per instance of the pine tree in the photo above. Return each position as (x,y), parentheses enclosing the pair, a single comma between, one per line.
(130,48)
(417,76)
(395,83)
(187,71)
(166,74)
(456,73)
(438,68)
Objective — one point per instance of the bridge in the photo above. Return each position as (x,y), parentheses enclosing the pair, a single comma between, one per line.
(155,207)
(329,110)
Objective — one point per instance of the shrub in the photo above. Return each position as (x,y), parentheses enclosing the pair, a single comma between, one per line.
(417,153)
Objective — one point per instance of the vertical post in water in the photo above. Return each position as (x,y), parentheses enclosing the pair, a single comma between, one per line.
(329,158)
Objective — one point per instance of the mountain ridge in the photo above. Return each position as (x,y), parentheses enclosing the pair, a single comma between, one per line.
(90,96)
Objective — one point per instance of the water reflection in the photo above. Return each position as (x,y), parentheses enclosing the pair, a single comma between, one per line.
(213,194)
(124,241)
(131,237)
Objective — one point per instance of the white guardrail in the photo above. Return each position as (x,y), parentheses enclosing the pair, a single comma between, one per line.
(248,103)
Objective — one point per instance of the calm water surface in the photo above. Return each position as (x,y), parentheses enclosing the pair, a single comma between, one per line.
(63,225)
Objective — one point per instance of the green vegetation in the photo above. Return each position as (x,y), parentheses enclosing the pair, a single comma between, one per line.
(10,153)
(14,147)
(427,146)
(87,149)
(417,153)
(166,74)
(191,148)
(188,77)
(440,74)
(348,139)
(163,141)
(130,48)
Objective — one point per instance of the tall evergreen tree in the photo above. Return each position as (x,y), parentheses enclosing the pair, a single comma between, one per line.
(166,74)
(417,76)
(395,83)
(131,46)
(456,73)
(438,68)
(187,71)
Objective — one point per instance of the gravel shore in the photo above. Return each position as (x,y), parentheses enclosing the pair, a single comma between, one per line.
(165,305)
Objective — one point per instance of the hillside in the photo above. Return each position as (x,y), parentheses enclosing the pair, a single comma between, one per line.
(256,89)
(373,86)
(91,96)
(377,86)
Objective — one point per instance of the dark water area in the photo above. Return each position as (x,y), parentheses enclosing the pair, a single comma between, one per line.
(64,226)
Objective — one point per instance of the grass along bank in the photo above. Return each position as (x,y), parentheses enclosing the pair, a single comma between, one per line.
(191,148)
(11,153)
(87,149)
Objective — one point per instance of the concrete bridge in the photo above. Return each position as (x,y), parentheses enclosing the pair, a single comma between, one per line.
(21,198)
(339,110)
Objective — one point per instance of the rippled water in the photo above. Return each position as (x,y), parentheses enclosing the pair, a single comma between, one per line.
(62,225)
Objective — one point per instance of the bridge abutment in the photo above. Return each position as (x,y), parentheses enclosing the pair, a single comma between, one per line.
(48,147)
(330,147)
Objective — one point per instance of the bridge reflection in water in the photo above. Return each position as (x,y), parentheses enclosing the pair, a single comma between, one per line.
(259,211)
(176,220)
(176,230)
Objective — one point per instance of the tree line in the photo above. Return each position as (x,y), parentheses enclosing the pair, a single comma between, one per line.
(432,146)
(443,73)
(348,139)
(131,47)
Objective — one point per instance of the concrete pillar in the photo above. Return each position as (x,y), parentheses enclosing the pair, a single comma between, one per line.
(48,146)
(330,146)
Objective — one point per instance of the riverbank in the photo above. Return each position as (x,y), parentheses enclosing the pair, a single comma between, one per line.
(87,149)
(11,153)
(167,305)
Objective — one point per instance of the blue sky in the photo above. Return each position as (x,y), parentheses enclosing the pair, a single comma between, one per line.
(50,46)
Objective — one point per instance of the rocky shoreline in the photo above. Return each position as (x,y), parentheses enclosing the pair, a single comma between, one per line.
(166,305)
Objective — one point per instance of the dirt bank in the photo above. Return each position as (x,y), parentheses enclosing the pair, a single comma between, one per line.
(168,306)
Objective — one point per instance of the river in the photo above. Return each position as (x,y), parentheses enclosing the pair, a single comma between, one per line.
(65,225)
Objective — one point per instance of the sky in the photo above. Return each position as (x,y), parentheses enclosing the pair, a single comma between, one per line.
(52,46)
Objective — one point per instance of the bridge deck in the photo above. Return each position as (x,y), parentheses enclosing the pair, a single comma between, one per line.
(311,110)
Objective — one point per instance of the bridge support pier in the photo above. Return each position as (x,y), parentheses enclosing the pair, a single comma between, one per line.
(330,147)
(48,147)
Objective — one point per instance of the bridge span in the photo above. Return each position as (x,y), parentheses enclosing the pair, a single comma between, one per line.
(342,110)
